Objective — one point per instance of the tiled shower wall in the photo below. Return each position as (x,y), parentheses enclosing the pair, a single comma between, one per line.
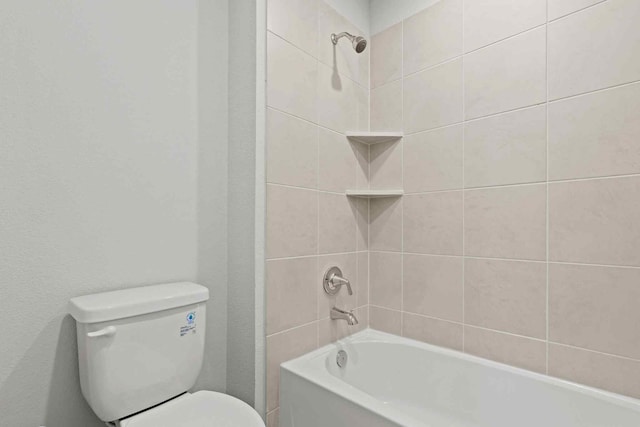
(314,94)
(518,238)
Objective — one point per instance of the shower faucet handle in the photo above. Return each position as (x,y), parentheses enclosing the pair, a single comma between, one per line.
(333,281)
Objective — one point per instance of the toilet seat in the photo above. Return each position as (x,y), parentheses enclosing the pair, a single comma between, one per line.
(200,409)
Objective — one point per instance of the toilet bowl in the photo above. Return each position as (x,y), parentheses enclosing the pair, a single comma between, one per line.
(140,351)
(200,409)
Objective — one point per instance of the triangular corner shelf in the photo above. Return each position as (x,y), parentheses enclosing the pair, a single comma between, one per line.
(374,137)
(374,194)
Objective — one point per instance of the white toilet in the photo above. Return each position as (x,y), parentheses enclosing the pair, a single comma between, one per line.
(139,352)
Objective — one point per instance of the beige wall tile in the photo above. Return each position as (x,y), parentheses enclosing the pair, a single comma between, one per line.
(362,107)
(361,152)
(506,222)
(595,221)
(386,56)
(595,134)
(286,346)
(432,286)
(582,56)
(292,218)
(595,369)
(386,224)
(337,224)
(513,350)
(292,77)
(595,308)
(292,150)
(295,21)
(291,291)
(342,104)
(433,160)
(330,331)
(385,280)
(386,165)
(488,21)
(504,302)
(363,278)
(432,331)
(509,148)
(433,98)
(384,320)
(361,207)
(432,36)
(558,8)
(349,265)
(433,223)
(386,107)
(507,75)
(273,418)
(509,296)
(337,162)
(341,57)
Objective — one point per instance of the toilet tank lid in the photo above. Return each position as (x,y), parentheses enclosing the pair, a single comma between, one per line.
(130,302)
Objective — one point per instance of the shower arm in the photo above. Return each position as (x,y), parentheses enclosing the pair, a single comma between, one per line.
(335,37)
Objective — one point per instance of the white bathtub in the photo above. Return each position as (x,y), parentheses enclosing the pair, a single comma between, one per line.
(394,381)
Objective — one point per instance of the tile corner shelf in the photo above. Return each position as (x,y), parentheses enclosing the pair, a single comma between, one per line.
(374,137)
(374,194)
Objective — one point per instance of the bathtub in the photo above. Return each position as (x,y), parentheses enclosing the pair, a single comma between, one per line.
(394,381)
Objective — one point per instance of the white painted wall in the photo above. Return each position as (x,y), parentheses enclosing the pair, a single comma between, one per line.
(213,135)
(385,13)
(241,314)
(260,369)
(356,11)
(99,183)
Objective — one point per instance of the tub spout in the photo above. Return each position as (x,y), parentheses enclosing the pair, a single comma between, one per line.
(337,314)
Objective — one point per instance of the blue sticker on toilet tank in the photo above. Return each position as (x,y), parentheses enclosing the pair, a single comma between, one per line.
(190,327)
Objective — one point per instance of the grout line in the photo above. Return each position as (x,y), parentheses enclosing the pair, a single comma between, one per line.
(502,113)
(318,229)
(633,267)
(547,189)
(432,66)
(537,27)
(595,178)
(511,334)
(401,142)
(386,83)
(369,239)
(433,129)
(513,259)
(572,13)
(594,91)
(631,359)
(524,184)
(293,187)
(284,331)
(464,127)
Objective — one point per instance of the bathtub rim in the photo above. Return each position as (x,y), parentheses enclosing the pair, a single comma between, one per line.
(306,367)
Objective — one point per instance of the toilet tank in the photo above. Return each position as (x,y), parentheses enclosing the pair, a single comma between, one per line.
(139,347)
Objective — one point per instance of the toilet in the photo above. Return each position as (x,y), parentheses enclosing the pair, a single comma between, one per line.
(141,349)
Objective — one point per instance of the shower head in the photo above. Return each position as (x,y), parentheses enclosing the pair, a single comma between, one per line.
(359,43)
